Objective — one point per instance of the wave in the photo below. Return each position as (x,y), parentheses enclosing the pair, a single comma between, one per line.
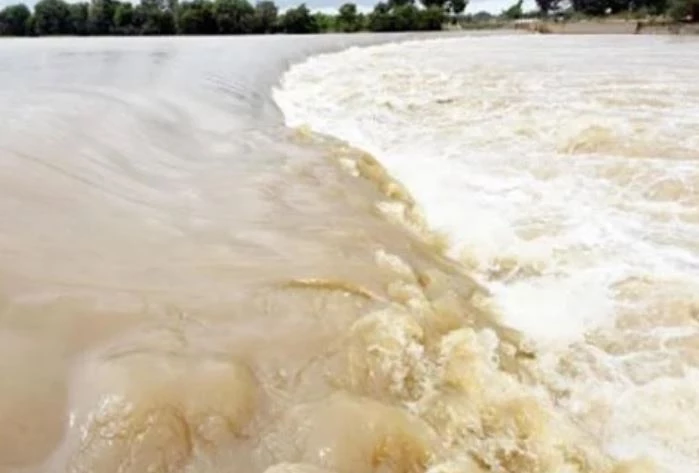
(466,126)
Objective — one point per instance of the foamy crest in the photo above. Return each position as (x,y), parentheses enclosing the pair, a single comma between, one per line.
(565,173)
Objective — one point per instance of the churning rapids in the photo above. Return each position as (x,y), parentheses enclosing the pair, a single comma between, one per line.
(455,255)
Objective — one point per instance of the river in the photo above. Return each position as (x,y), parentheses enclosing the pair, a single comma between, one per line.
(463,254)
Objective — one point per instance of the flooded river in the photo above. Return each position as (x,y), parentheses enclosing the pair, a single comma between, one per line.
(464,254)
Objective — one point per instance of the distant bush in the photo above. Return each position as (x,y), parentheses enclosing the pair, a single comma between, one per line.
(207,17)
(14,20)
(684,10)
(405,17)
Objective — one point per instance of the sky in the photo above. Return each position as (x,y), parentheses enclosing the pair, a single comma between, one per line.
(474,6)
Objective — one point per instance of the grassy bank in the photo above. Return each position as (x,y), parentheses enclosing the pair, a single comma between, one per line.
(578,26)
(609,26)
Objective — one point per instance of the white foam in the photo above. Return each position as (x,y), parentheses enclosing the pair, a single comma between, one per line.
(563,170)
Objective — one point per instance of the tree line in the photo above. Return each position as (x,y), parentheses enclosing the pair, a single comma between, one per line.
(210,17)
(679,10)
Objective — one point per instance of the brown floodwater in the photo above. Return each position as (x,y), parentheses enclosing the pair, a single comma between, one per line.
(188,285)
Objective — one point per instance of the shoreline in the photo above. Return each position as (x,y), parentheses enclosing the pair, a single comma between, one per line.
(606,27)
(534,25)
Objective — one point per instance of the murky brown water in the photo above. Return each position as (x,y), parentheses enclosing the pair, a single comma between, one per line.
(175,264)
(188,286)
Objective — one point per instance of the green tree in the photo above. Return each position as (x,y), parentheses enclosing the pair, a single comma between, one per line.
(234,16)
(139,17)
(457,7)
(406,17)
(266,14)
(392,4)
(151,5)
(546,6)
(680,10)
(78,18)
(101,16)
(431,19)
(600,7)
(298,21)
(381,18)
(52,17)
(124,19)
(30,26)
(155,17)
(325,23)
(514,12)
(14,20)
(482,17)
(348,19)
(156,22)
(167,23)
(196,17)
(434,3)
(653,7)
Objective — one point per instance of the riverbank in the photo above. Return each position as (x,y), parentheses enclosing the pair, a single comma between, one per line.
(585,27)
(607,26)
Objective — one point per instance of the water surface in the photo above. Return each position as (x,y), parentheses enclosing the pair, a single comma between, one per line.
(564,172)
(507,284)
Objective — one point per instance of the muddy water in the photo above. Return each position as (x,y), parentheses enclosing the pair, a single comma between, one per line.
(564,172)
(179,271)
(158,223)
(186,285)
